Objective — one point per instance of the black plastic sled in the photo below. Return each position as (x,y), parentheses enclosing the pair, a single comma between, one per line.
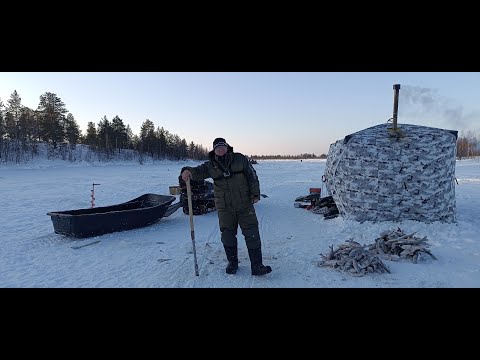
(139,212)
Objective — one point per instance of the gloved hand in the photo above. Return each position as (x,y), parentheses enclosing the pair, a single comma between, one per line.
(186,174)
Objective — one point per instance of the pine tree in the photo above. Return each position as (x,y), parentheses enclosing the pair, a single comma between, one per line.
(119,133)
(147,137)
(183,151)
(162,141)
(130,138)
(191,150)
(105,134)
(91,136)
(14,110)
(51,111)
(15,105)
(72,130)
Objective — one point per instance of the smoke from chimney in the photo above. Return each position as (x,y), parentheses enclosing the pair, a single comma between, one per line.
(429,107)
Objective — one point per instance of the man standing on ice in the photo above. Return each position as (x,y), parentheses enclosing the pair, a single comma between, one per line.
(236,189)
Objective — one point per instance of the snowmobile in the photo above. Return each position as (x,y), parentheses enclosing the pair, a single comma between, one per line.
(203,200)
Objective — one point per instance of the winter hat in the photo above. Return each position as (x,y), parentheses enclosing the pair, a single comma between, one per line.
(219,142)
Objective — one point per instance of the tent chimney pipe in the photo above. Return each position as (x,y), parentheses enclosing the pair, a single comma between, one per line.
(396,88)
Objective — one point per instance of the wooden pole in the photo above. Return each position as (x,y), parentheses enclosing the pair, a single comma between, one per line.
(192,231)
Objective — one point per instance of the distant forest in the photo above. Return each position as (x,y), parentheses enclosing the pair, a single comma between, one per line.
(22,130)
(286,157)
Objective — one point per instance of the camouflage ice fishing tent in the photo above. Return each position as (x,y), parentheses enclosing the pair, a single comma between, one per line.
(378,174)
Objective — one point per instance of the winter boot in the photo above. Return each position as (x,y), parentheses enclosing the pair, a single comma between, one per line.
(256,262)
(232,257)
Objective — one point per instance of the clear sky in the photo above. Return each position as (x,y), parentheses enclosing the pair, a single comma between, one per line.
(258,112)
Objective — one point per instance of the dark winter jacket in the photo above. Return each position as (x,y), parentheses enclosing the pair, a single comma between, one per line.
(235,180)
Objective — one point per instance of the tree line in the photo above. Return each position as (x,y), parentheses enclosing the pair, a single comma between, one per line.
(22,130)
(288,157)
(468,145)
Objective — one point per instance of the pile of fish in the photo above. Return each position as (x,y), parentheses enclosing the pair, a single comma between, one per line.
(354,259)
(395,245)
(358,260)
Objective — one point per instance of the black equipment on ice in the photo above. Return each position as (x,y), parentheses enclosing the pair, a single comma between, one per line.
(203,200)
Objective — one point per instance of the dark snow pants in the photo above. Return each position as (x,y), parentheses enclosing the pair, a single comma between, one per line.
(247,219)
